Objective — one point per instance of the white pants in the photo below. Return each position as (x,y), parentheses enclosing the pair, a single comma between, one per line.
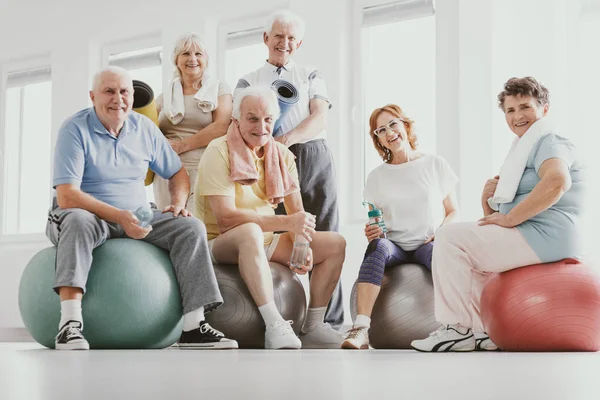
(465,256)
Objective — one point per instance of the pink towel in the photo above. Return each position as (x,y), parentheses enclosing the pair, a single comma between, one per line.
(278,181)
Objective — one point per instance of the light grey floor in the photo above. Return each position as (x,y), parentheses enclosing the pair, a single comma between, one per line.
(30,372)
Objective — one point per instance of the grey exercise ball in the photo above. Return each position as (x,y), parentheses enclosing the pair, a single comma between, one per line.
(238,318)
(403,311)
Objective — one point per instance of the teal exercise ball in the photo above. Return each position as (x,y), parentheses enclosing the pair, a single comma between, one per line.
(132,298)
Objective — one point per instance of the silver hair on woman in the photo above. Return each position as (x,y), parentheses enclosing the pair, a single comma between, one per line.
(263,92)
(286,17)
(97,79)
(187,42)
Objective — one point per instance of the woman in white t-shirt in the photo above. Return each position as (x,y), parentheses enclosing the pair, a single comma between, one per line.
(415,191)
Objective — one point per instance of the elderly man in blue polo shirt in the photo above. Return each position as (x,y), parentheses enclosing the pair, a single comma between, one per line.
(102,154)
(303,128)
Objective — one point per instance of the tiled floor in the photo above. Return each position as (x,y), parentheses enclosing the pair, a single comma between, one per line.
(30,372)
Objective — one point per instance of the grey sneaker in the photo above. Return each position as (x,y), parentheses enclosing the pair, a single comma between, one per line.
(322,336)
(280,335)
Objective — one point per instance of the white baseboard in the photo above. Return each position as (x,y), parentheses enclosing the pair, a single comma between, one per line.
(15,335)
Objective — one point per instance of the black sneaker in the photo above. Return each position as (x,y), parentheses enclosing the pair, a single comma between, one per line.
(205,337)
(70,338)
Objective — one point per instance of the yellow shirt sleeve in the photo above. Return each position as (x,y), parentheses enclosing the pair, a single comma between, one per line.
(213,173)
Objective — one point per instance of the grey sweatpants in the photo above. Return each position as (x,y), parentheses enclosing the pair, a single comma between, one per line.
(76,232)
(318,188)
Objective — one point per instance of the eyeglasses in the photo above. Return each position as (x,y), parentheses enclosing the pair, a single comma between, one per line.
(392,125)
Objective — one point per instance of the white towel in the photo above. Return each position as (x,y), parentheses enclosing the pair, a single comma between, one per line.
(174,106)
(208,95)
(515,162)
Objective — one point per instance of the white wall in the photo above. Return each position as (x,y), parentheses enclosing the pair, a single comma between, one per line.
(476,40)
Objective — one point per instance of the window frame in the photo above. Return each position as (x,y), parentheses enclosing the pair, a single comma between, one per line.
(400,10)
(128,45)
(42,61)
(232,34)
(136,44)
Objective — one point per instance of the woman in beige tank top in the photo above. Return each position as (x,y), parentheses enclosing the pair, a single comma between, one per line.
(196,110)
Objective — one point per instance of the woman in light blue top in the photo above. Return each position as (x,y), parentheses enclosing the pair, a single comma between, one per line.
(538,197)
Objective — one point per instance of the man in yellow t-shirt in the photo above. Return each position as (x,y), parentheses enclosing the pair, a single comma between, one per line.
(240,222)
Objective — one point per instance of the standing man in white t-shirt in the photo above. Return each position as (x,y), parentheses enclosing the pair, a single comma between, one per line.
(303,129)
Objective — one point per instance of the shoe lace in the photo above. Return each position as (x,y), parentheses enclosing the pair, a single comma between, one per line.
(355,332)
(439,330)
(72,332)
(281,324)
(207,328)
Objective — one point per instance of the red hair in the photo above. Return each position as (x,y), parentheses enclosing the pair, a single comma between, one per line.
(397,112)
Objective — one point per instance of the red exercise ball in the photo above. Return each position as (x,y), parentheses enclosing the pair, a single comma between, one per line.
(544,307)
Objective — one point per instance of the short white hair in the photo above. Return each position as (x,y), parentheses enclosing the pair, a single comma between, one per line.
(97,80)
(286,17)
(263,92)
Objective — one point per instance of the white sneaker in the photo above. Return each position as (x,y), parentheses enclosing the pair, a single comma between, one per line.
(322,336)
(484,343)
(280,335)
(357,338)
(447,338)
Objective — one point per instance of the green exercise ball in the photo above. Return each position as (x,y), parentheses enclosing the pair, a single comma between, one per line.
(132,299)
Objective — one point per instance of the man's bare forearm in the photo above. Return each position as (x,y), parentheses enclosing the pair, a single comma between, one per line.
(75,198)
(179,187)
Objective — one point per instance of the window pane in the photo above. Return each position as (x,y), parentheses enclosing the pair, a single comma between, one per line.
(585,135)
(11,140)
(28,157)
(35,160)
(240,61)
(399,68)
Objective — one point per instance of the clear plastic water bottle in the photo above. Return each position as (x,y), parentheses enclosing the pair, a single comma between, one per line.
(376,218)
(144,214)
(299,252)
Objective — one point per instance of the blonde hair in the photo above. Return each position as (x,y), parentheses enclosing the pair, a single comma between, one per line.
(187,42)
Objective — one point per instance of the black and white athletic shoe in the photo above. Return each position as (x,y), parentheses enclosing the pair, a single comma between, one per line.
(447,338)
(484,343)
(70,337)
(205,337)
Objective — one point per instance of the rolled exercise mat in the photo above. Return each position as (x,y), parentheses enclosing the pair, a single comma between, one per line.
(287,97)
